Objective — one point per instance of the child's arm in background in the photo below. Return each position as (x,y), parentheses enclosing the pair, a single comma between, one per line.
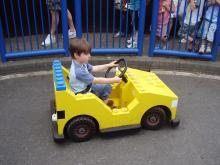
(173,7)
(218,2)
(167,6)
(212,2)
(192,4)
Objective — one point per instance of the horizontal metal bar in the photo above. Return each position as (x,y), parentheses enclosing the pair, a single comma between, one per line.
(35,53)
(181,54)
(115,51)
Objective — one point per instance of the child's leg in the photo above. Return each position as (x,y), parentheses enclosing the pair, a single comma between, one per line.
(54,20)
(210,37)
(102,90)
(70,22)
(208,33)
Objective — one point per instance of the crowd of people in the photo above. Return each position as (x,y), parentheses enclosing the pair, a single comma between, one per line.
(196,19)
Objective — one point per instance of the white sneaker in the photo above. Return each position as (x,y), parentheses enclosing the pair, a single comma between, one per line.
(183,40)
(119,34)
(71,34)
(47,40)
(202,49)
(132,46)
(208,49)
(129,41)
(135,37)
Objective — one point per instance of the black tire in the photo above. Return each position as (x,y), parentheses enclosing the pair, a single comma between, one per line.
(153,119)
(81,129)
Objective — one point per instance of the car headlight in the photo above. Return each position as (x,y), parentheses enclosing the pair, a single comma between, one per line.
(54,117)
(174,104)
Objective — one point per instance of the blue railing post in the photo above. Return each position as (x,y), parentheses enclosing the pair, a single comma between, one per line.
(78,17)
(216,43)
(65,27)
(153,27)
(2,44)
(141,27)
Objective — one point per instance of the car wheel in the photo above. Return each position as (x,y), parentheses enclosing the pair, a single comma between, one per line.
(81,129)
(153,119)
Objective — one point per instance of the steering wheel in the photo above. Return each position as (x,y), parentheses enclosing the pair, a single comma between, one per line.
(122,67)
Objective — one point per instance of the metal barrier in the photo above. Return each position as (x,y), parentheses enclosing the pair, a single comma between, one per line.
(100,31)
(22,28)
(19,42)
(192,39)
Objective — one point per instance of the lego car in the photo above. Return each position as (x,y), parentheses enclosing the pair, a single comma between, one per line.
(141,99)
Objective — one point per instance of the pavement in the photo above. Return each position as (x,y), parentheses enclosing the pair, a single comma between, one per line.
(25,125)
(26,136)
(143,62)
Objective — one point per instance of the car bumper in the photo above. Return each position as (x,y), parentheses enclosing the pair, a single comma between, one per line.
(56,137)
(175,123)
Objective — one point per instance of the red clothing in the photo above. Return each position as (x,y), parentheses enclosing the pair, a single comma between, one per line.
(166,13)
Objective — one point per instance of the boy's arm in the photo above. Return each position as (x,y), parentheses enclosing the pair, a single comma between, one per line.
(102,80)
(103,67)
(97,68)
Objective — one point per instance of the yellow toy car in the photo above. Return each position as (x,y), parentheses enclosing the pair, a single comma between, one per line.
(140,100)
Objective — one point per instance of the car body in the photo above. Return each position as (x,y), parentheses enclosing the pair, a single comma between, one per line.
(134,100)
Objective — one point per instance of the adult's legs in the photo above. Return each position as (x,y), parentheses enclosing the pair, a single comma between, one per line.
(54,21)
(70,22)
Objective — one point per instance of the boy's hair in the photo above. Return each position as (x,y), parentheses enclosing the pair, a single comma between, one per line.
(78,46)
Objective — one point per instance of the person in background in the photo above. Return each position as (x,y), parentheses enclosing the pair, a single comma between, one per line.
(209,25)
(134,6)
(55,8)
(190,13)
(121,7)
(163,19)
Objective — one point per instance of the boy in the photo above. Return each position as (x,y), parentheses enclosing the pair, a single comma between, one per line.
(81,79)
(55,7)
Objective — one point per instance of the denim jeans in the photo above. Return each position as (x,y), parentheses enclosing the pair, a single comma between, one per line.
(101,90)
(209,30)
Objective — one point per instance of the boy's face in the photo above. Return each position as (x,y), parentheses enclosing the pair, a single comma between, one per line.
(83,58)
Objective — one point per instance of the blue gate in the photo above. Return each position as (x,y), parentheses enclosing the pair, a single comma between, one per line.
(102,32)
(193,37)
(117,30)
(23,22)
(16,42)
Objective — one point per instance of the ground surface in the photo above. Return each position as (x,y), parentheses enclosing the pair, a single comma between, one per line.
(25,129)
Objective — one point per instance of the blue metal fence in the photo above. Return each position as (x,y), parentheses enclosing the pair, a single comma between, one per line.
(24,26)
(101,26)
(190,40)
(19,44)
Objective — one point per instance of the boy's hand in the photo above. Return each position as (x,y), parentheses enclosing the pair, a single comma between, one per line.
(116,79)
(112,64)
